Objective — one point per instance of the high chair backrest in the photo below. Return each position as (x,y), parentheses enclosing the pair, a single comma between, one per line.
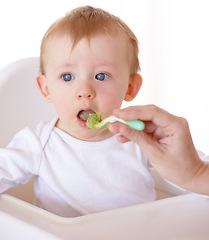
(21,103)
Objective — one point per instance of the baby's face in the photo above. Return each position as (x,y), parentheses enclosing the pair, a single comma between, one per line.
(93,76)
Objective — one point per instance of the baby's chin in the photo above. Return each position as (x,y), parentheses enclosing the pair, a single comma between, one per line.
(91,135)
(82,132)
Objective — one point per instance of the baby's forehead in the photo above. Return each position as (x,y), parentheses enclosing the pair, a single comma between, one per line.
(69,43)
(65,36)
(65,45)
(102,50)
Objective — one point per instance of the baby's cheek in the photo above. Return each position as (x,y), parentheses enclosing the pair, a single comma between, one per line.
(61,108)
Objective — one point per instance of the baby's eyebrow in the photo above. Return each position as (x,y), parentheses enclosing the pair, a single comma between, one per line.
(106,64)
(64,66)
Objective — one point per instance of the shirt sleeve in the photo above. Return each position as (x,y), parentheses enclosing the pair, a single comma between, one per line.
(20,160)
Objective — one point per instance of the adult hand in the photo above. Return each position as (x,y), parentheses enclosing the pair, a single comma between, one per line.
(168,144)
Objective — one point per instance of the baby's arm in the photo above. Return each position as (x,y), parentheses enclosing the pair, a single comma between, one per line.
(20,160)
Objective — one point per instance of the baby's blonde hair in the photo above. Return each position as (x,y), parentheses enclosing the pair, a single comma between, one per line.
(88,22)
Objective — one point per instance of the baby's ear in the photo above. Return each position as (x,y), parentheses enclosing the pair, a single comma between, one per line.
(134,86)
(42,85)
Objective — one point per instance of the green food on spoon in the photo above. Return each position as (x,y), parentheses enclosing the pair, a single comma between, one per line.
(95,121)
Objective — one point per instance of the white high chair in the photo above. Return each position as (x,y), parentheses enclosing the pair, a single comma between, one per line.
(21,104)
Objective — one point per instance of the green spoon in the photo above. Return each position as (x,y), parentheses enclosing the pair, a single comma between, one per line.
(95,121)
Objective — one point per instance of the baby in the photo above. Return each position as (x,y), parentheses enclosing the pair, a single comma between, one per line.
(88,64)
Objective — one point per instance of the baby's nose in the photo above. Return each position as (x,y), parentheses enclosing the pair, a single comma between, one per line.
(86,92)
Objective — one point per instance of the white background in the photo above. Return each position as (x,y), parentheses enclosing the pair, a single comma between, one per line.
(174,48)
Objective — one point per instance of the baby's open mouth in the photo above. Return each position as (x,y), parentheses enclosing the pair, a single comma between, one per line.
(84,114)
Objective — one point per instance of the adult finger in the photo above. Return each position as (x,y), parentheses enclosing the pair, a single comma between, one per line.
(152,113)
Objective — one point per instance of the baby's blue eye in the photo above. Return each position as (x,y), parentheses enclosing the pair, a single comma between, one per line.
(101,76)
(68,77)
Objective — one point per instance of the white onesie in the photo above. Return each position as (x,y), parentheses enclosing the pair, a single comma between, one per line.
(76,177)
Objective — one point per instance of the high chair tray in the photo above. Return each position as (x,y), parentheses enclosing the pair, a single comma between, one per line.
(183,217)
